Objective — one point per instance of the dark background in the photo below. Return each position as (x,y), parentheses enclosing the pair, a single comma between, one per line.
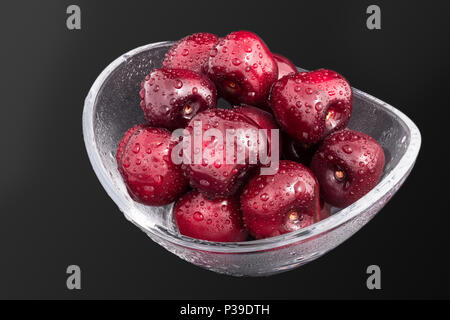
(54,211)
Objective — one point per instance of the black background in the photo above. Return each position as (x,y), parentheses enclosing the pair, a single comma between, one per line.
(54,211)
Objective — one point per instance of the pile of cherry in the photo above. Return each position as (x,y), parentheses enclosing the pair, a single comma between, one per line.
(322,162)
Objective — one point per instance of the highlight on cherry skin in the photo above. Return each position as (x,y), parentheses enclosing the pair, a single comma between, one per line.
(217,173)
(311,105)
(273,163)
(143,159)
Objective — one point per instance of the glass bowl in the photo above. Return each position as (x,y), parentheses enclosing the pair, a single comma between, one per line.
(112,106)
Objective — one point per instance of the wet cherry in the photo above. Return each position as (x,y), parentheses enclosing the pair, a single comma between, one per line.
(348,165)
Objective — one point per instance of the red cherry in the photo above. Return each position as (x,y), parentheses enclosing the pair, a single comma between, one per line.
(311,105)
(143,159)
(214,220)
(191,52)
(243,68)
(348,165)
(172,97)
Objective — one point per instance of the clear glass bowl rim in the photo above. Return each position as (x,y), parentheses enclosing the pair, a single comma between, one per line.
(403,167)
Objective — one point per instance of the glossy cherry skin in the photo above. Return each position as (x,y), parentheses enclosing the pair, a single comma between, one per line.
(143,160)
(311,105)
(348,165)
(172,97)
(191,52)
(243,68)
(124,141)
(280,203)
(214,220)
(264,120)
(214,175)
(297,151)
(285,66)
